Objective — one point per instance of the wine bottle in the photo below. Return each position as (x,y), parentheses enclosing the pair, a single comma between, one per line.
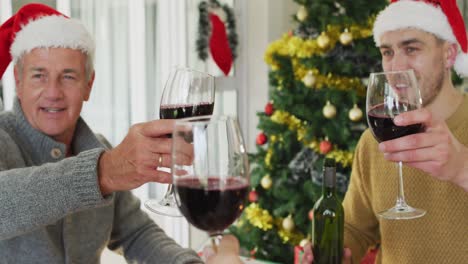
(328,221)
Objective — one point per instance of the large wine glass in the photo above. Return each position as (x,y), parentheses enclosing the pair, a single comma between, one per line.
(389,94)
(210,172)
(187,93)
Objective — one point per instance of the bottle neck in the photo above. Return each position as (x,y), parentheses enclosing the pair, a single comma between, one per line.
(329,181)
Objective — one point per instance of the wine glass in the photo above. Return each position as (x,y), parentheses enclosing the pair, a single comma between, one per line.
(187,93)
(210,172)
(389,94)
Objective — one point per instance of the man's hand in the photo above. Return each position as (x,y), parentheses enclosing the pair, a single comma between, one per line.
(228,252)
(136,159)
(435,151)
(308,257)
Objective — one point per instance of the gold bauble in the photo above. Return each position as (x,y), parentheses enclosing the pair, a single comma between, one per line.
(309,79)
(329,110)
(302,13)
(288,223)
(304,242)
(346,37)
(355,114)
(323,40)
(266,182)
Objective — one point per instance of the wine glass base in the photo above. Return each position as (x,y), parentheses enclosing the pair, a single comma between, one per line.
(402,213)
(159,207)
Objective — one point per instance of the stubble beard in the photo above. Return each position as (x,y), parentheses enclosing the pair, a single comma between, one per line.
(430,93)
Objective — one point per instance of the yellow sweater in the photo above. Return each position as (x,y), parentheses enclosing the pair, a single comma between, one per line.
(441,236)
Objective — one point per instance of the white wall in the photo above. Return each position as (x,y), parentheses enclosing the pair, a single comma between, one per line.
(259,22)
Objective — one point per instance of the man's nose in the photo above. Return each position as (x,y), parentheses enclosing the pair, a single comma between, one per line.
(53,90)
(399,63)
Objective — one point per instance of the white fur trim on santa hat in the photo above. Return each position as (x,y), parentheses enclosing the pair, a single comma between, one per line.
(52,32)
(413,14)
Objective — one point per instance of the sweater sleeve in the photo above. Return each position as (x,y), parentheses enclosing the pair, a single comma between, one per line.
(361,225)
(140,239)
(33,197)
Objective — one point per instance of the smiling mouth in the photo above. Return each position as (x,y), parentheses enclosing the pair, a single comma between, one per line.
(52,109)
(401,86)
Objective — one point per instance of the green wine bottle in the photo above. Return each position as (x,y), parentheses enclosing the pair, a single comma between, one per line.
(328,222)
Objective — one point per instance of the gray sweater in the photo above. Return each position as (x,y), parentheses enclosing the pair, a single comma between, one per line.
(53,212)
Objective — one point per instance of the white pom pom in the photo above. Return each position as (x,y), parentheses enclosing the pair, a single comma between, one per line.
(461,64)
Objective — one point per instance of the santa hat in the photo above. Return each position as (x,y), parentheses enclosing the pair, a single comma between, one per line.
(439,17)
(40,26)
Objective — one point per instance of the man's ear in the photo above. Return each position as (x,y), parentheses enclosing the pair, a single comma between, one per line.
(89,86)
(451,52)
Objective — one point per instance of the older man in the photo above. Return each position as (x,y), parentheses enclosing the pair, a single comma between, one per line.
(63,192)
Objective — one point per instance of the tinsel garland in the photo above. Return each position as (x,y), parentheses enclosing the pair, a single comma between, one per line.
(344,157)
(325,81)
(262,219)
(329,80)
(204,28)
(292,237)
(297,47)
(259,217)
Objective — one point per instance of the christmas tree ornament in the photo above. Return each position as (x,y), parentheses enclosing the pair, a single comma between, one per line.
(329,110)
(269,109)
(253,196)
(346,37)
(311,214)
(302,13)
(261,139)
(309,79)
(355,114)
(325,146)
(288,223)
(323,40)
(266,182)
(253,251)
(304,242)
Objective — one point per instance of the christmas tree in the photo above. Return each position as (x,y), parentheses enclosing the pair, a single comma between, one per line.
(317,99)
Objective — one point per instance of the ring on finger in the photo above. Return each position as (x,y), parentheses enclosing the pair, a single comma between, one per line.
(160,160)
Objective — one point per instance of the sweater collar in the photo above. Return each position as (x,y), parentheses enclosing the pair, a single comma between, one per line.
(42,148)
(457,118)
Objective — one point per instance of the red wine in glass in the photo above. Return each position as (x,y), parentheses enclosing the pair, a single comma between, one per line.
(211,189)
(389,94)
(209,207)
(183,111)
(187,93)
(385,129)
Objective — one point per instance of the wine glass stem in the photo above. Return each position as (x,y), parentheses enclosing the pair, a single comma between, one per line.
(213,244)
(400,203)
(215,238)
(168,196)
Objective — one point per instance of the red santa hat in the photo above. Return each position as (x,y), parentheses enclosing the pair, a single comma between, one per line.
(40,26)
(439,17)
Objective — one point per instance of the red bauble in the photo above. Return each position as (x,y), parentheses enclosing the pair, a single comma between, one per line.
(311,214)
(253,196)
(261,139)
(269,109)
(325,147)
